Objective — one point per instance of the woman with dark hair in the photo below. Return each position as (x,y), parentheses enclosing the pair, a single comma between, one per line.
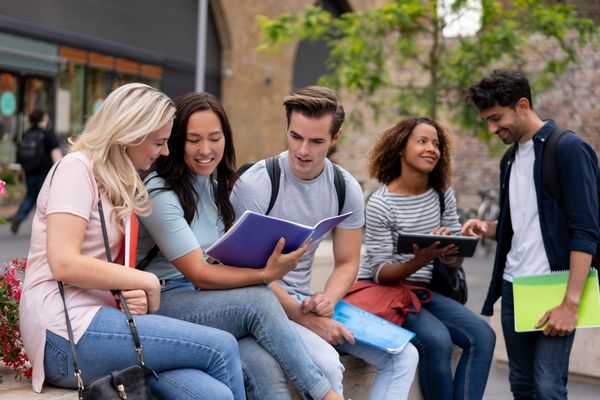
(191,209)
(77,233)
(412,160)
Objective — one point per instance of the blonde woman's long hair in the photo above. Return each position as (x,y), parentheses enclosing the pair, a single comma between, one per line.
(127,116)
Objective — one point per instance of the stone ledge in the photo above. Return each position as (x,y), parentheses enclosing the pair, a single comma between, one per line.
(358,379)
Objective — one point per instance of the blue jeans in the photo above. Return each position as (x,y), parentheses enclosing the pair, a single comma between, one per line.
(192,361)
(250,311)
(440,324)
(538,365)
(33,184)
(395,372)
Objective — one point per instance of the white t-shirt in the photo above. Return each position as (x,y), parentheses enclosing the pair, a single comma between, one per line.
(527,255)
(303,201)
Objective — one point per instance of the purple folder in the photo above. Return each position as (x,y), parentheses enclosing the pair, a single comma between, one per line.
(251,240)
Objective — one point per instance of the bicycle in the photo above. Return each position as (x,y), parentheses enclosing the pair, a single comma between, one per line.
(488,210)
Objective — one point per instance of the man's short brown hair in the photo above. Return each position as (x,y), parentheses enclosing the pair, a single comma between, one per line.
(315,102)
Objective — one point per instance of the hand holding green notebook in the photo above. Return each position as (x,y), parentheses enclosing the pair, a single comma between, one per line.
(534,295)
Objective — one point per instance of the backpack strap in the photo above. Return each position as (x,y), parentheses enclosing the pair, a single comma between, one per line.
(274,171)
(442,201)
(340,187)
(149,257)
(550,178)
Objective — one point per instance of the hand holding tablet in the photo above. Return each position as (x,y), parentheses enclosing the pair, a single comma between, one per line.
(466,244)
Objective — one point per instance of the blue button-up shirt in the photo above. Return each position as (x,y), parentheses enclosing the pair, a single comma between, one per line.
(572,226)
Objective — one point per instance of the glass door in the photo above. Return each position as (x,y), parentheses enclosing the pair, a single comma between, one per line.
(9,100)
(20,94)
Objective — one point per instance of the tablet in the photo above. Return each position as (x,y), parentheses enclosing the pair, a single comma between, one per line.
(466,244)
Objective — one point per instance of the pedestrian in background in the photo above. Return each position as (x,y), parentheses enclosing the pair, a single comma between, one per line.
(37,150)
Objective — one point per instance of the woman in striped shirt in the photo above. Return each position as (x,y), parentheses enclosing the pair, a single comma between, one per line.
(412,161)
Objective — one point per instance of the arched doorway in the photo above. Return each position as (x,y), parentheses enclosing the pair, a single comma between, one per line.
(311,56)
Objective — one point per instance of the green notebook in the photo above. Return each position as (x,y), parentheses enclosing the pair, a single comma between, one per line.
(534,295)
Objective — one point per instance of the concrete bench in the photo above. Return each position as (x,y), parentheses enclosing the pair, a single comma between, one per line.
(358,379)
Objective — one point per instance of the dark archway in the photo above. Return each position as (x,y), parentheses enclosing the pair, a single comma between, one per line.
(212,74)
(311,57)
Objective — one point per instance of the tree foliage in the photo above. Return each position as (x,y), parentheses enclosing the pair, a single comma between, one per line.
(370,50)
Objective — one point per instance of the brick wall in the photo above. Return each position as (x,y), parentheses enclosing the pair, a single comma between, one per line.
(254,84)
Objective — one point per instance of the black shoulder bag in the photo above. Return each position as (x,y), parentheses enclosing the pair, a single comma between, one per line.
(127,383)
(448,281)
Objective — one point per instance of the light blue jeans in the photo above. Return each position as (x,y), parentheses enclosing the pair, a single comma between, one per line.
(192,361)
(440,324)
(395,372)
(251,311)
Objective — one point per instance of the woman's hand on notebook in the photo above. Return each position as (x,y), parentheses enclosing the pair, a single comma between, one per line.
(280,264)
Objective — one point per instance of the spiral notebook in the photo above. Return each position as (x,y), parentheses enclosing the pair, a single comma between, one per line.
(372,330)
(251,240)
(536,294)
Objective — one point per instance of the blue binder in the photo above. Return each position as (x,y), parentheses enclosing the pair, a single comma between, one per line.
(372,330)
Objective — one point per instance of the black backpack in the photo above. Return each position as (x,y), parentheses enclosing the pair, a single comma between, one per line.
(552,183)
(31,150)
(274,171)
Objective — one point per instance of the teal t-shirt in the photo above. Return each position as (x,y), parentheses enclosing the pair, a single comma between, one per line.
(167,227)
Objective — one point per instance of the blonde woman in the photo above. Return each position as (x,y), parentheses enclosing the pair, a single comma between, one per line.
(123,137)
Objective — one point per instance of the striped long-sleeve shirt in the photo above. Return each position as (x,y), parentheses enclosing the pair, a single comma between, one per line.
(390,213)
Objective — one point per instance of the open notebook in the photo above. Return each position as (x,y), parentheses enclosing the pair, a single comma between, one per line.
(251,240)
(536,294)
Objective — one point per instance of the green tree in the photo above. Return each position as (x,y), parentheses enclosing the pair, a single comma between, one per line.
(407,35)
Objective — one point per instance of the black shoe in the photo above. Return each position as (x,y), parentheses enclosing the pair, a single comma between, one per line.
(14,226)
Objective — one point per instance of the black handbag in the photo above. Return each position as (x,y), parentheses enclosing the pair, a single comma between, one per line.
(127,383)
(448,281)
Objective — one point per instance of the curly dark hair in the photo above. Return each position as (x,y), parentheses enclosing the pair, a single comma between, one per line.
(178,176)
(502,87)
(384,158)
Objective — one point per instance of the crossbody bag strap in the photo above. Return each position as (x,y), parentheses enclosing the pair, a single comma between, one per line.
(130,321)
(71,339)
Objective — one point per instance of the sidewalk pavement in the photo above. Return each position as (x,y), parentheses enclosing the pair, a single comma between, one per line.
(478,271)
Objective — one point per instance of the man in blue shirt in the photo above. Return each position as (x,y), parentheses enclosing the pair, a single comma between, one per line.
(535,233)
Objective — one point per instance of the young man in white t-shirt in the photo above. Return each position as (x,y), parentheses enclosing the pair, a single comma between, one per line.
(536,232)
(306,195)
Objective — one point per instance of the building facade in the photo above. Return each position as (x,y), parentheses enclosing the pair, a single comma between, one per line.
(66,55)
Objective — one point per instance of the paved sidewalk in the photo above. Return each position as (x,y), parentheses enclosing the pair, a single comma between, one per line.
(478,271)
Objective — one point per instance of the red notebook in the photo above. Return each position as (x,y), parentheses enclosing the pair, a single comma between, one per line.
(132,227)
